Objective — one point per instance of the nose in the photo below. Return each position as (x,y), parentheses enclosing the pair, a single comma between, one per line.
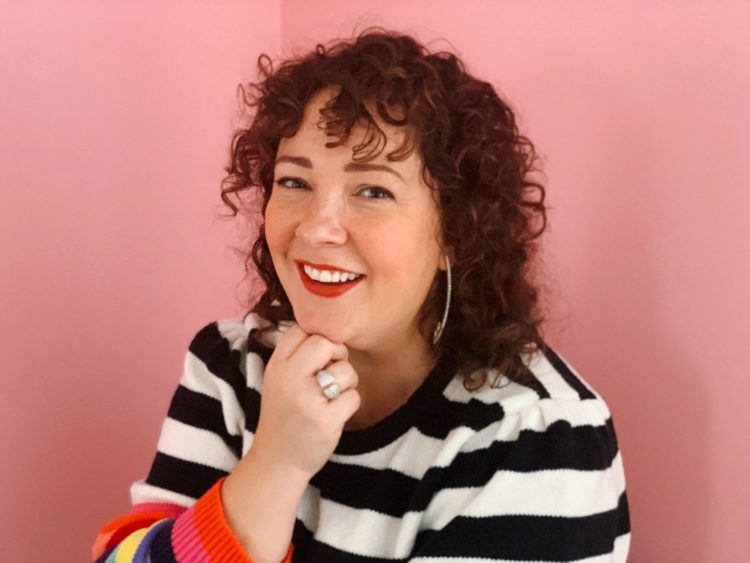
(321,223)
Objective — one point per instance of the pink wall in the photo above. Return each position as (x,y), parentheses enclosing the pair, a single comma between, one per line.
(642,115)
(115,127)
(115,124)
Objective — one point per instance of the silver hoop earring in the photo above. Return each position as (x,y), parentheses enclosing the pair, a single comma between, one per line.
(441,325)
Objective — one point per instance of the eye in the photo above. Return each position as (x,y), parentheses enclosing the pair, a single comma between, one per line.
(379,193)
(291,183)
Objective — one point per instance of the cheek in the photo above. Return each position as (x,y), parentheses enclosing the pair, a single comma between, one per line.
(278,242)
(381,243)
(275,227)
(400,249)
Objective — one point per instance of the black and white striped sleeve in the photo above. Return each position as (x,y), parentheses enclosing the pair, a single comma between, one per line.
(201,437)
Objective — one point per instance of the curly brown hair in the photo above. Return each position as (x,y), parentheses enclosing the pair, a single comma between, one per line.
(482,168)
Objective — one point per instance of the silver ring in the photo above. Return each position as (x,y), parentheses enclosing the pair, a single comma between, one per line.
(327,383)
(332,391)
(325,378)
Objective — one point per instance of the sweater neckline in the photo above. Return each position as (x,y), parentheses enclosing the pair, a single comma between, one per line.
(385,431)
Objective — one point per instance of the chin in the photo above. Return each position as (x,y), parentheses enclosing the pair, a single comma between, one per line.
(327,327)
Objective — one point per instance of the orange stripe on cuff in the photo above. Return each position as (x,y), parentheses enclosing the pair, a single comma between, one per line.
(215,534)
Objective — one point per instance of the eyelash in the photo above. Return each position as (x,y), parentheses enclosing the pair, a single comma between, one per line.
(281,182)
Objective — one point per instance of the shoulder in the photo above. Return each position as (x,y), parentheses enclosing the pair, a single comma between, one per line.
(557,405)
(552,380)
(555,429)
(229,334)
(231,350)
(541,458)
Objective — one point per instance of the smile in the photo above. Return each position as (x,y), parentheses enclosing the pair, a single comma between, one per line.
(327,284)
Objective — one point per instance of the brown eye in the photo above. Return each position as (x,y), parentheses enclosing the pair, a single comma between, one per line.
(379,193)
(291,183)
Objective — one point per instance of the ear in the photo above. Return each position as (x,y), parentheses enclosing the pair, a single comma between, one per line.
(451,256)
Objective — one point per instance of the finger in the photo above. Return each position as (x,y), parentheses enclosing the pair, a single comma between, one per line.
(343,407)
(290,341)
(340,353)
(344,375)
(316,352)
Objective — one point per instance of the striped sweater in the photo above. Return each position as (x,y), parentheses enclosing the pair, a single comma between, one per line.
(515,473)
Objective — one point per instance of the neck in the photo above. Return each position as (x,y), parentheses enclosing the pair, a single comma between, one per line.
(388,377)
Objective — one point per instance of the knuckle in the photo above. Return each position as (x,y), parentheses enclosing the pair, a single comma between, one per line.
(355,399)
(318,339)
(290,327)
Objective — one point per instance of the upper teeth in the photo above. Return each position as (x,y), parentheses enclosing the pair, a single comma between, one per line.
(326,276)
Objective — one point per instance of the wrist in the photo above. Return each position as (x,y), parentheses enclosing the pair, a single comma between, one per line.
(260,500)
(268,469)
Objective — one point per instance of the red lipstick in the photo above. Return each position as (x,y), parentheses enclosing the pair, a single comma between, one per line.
(325,289)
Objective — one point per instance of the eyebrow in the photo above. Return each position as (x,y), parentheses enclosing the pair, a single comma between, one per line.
(351,167)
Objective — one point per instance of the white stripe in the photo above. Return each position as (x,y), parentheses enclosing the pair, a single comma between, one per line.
(510,395)
(560,492)
(197,377)
(564,493)
(513,396)
(399,454)
(578,375)
(431,559)
(358,531)
(254,370)
(538,417)
(234,332)
(553,381)
(195,444)
(307,509)
(141,492)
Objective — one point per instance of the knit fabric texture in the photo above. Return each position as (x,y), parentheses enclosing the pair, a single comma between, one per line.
(517,472)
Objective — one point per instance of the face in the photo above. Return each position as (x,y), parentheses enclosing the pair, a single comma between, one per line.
(377,219)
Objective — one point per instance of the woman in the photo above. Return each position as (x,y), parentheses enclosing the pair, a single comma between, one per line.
(389,397)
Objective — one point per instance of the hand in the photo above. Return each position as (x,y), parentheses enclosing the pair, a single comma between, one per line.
(299,427)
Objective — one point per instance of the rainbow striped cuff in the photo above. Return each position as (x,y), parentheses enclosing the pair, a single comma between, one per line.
(169,533)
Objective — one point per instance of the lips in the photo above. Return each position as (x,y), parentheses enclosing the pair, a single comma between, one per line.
(325,289)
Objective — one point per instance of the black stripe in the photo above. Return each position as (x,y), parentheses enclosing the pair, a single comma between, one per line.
(252,396)
(308,549)
(536,385)
(214,350)
(623,512)
(180,476)
(436,416)
(384,490)
(161,548)
(255,346)
(201,411)
(252,409)
(520,537)
(428,397)
(567,374)
(612,443)
(560,446)
(439,416)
